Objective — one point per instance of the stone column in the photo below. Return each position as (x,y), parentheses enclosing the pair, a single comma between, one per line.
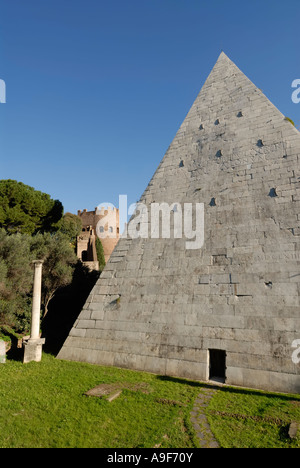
(2,352)
(33,346)
(36,300)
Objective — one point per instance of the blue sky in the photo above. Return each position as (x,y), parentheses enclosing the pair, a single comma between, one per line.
(96,90)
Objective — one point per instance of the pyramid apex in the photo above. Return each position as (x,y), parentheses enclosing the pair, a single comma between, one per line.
(223,56)
(224,67)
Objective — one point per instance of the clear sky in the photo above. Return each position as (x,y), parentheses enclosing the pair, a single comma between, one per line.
(96,90)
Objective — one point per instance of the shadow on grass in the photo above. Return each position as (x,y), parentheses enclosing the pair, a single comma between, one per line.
(65,307)
(228,389)
(15,354)
(63,310)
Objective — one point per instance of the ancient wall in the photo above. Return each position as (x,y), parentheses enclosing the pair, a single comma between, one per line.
(105,220)
(86,248)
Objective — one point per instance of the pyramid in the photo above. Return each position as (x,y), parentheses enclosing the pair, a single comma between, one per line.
(229,309)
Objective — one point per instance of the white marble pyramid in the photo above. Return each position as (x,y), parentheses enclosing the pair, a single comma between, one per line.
(228,310)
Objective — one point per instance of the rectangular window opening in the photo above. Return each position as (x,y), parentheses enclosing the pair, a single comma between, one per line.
(217,365)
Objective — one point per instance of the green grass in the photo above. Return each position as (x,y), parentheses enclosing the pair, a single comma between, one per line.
(43,405)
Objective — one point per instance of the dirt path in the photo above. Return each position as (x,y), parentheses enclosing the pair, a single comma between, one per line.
(199,420)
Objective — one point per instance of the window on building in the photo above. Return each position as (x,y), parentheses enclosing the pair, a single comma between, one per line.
(84,255)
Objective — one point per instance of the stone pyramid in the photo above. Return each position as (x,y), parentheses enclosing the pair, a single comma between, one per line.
(227,311)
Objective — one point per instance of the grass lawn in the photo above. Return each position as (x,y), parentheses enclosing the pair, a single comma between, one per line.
(43,405)
(251,419)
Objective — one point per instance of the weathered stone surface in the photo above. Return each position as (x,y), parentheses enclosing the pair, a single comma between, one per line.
(33,350)
(2,352)
(199,419)
(160,307)
(294,430)
(112,391)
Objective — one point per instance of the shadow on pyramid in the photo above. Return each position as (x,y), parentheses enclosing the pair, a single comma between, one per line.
(227,309)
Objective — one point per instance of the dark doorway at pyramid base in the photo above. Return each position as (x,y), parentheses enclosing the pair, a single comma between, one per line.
(217,365)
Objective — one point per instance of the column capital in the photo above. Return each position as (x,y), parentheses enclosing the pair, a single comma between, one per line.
(37,262)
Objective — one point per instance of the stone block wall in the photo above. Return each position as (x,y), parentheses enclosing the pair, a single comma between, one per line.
(161,308)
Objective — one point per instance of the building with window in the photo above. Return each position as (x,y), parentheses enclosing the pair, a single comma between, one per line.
(102,223)
(227,311)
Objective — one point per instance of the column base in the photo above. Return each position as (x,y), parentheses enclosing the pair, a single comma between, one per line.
(33,350)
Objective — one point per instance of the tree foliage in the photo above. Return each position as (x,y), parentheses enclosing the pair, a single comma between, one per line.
(59,262)
(26,210)
(17,251)
(100,254)
(32,227)
(15,280)
(71,226)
